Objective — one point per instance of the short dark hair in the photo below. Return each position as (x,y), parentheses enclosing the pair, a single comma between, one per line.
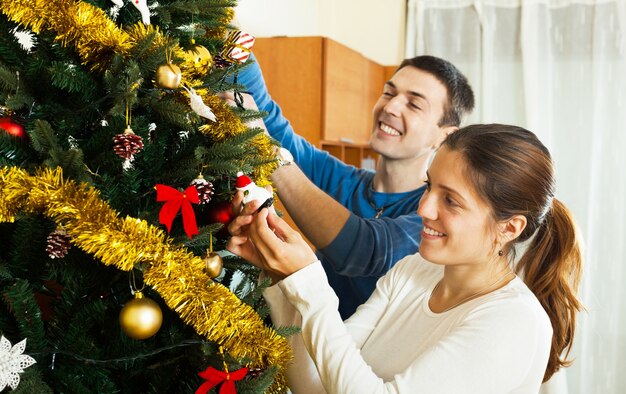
(460,95)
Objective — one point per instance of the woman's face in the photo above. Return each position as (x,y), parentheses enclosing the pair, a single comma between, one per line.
(458,224)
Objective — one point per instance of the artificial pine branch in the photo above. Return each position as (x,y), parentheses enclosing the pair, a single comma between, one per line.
(73,79)
(12,151)
(11,52)
(71,161)
(20,300)
(43,137)
(8,79)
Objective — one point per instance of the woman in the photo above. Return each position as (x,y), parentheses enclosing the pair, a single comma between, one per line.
(455,318)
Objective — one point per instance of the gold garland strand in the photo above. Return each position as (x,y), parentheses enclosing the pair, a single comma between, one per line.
(86,27)
(174,273)
(229,126)
(96,38)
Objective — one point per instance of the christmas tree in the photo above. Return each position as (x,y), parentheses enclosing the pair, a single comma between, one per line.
(117,164)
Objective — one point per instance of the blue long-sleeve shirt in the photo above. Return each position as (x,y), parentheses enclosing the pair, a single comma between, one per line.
(365,248)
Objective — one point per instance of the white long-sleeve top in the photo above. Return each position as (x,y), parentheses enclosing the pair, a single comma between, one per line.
(497,343)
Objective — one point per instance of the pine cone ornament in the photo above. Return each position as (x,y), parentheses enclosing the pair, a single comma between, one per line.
(127,144)
(220,63)
(204,188)
(58,244)
(254,373)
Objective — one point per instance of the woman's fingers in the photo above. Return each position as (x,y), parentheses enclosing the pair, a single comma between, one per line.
(239,225)
(280,247)
(241,246)
(237,202)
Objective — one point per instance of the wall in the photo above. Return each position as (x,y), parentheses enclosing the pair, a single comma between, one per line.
(374,28)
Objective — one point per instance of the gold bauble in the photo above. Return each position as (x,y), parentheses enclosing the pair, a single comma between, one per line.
(168,76)
(199,57)
(141,317)
(213,264)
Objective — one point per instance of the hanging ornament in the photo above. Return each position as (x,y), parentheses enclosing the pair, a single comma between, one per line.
(58,244)
(127,144)
(12,128)
(213,262)
(199,58)
(141,317)
(168,76)
(220,62)
(220,212)
(175,201)
(214,377)
(237,46)
(204,188)
(12,363)
(254,373)
(142,6)
(198,106)
(46,296)
(252,192)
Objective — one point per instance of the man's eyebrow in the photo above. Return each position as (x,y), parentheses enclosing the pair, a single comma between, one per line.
(410,92)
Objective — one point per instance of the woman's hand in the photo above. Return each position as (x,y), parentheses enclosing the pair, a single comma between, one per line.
(239,242)
(282,250)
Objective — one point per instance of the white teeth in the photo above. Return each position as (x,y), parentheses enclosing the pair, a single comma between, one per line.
(388,129)
(430,231)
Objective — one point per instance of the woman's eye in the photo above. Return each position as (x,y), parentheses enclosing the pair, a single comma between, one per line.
(451,202)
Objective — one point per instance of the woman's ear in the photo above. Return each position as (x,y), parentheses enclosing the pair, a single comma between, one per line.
(511,228)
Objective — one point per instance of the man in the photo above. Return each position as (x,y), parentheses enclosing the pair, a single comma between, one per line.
(363,222)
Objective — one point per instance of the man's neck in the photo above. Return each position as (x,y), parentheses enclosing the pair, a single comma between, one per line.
(399,176)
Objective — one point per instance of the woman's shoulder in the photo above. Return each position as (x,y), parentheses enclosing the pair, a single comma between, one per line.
(516,304)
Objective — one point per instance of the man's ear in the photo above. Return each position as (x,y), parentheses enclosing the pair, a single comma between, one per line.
(444,132)
(511,228)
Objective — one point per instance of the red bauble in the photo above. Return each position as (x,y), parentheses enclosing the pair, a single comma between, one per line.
(12,128)
(220,212)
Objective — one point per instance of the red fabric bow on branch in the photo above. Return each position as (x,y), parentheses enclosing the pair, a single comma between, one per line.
(214,377)
(175,201)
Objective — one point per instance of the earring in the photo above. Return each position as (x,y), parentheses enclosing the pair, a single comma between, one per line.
(500,252)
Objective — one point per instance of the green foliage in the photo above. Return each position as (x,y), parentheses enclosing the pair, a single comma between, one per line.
(68,308)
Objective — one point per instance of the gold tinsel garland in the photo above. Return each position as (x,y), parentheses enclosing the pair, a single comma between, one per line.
(96,38)
(173,272)
(229,126)
(88,28)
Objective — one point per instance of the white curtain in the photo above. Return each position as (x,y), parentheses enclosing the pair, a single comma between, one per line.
(558,68)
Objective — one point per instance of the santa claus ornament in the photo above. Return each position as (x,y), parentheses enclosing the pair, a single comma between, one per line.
(252,192)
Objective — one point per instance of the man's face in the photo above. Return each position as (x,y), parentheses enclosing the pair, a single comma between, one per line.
(406,115)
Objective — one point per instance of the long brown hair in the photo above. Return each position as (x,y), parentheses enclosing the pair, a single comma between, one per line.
(513,171)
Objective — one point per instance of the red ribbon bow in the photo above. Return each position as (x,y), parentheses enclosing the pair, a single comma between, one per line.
(174,201)
(214,377)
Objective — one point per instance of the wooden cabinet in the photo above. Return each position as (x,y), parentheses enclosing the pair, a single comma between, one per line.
(326,90)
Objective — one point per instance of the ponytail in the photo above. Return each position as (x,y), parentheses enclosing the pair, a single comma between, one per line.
(551,268)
